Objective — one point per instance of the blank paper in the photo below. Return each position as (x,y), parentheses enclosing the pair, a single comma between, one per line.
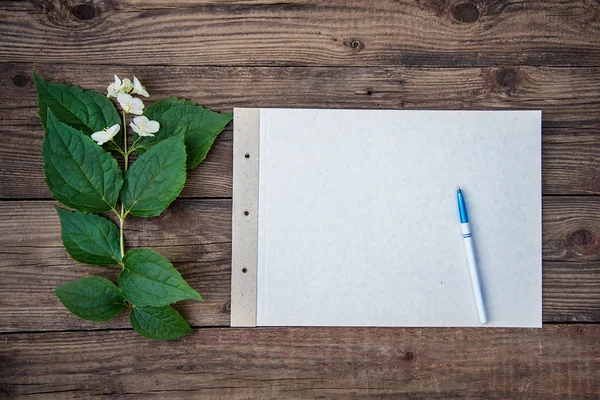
(358,222)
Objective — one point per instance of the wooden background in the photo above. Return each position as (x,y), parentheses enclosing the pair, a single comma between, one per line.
(438,54)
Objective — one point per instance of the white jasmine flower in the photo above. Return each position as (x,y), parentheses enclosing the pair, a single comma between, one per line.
(130,105)
(138,88)
(106,134)
(115,88)
(127,85)
(144,127)
(119,86)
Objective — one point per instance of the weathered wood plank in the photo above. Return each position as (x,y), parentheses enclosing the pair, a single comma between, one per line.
(570,291)
(556,362)
(571,228)
(22,166)
(195,235)
(568,97)
(306,32)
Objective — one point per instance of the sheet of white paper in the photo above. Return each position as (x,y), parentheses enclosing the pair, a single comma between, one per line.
(358,221)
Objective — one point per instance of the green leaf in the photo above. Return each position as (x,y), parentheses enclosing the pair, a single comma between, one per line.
(92,298)
(148,279)
(84,110)
(155,179)
(177,116)
(159,323)
(78,172)
(89,238)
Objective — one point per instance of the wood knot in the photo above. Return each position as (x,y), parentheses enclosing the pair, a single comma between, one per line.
(581,237)
(73,15)
(83,12)
(409,356)
(20,80)
(465,12)
(507,77)
(355,44)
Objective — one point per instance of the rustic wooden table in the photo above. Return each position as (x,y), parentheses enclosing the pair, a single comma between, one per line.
(439,54)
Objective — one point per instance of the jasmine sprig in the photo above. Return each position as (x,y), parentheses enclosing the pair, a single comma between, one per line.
(82,127)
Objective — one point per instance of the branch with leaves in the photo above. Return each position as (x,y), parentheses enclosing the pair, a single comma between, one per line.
(83,130)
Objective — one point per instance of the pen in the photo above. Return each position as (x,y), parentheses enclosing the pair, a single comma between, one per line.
(468,239)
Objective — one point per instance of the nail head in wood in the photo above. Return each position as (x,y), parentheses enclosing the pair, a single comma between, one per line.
(246,212)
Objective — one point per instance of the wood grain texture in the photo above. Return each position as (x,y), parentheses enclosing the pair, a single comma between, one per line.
(570,291)
(396,54)
(195,235)
(556,362)
(568,98)
(308,32)
(571,228)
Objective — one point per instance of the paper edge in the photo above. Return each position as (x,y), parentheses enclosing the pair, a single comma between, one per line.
(244,246)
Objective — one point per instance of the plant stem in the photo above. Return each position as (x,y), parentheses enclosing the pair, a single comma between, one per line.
(131,150)
(117,148)
(126,154)
(121,219)
(126,161)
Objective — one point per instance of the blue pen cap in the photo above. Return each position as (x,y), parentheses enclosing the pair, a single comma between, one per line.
(462,207)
